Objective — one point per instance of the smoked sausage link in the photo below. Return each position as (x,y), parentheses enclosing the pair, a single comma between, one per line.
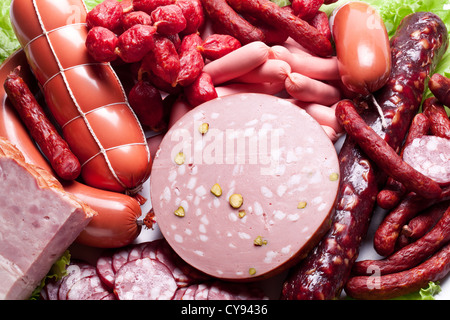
(383,155)
(298,29)
(397,284)
(323,274)
(61,158)
(84,96)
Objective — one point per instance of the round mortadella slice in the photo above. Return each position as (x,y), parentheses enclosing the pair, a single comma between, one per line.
(243,186)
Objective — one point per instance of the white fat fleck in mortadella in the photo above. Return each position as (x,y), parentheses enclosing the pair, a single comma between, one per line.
(278,175)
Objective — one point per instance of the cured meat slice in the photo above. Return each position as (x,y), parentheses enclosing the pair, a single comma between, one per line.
(430,155)
(136,251)
(120,257)
(144,279)
(149,250)
(87,288)
(202,291)
(105,270)
(38,222)
(221,290)
(181,270)
(75,272)
(189,293)
(180,293)
(243,186)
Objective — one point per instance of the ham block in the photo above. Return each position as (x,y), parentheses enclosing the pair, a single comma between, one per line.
(38,222)
(243,186)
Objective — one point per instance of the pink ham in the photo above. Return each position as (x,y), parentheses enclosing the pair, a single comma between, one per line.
(272,153)
(38,222)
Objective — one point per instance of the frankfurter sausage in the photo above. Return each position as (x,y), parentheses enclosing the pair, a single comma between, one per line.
(323,114)
(362,47)
(323,273)
(382,154)
(273,70)
(85,97)
(61,158)
(308,65)
(232,88)
(310,90)
(116,223)
(238,62)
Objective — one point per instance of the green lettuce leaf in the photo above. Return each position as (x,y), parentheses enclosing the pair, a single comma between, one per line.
(57,271)
(8,41)
(427,293)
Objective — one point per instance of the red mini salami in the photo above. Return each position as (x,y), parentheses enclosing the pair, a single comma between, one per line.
(430,155)
(144,279)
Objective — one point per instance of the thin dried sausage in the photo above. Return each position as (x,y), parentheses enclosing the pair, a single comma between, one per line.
(55,148)
(323,273)
(382,154)
(397,284)
(296,28)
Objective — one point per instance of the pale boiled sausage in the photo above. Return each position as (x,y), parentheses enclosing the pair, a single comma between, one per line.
(286,198)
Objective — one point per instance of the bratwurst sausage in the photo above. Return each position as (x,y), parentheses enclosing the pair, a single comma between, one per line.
(85,97)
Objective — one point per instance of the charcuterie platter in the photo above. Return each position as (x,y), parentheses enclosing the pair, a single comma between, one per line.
(232,163)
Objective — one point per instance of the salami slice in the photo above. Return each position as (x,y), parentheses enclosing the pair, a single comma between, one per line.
(144,279)
(202,291)
(221,290)
(167,256)
(105,270)
(75,272)
(243,186)
(120,257)
(430,155)
(110,296)
(136,251)
(50,291)
(189,293)
(149,250)
(180,293)
(87,288)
